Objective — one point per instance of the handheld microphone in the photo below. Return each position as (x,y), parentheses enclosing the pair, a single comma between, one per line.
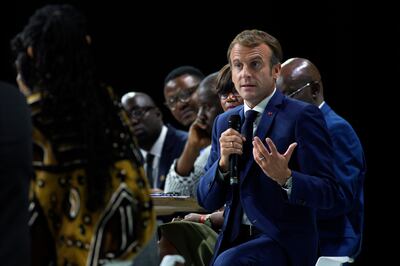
(234,122)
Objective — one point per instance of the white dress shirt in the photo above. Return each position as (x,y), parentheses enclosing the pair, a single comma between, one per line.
(156,150)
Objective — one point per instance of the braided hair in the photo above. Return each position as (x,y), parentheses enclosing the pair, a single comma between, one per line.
(53,57)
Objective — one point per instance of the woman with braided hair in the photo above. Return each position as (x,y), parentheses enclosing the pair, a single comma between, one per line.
(90,199)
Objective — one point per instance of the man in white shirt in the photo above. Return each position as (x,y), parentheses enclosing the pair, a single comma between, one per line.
(159,144)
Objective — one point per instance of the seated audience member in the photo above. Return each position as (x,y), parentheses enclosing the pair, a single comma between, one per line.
(228,95)
(180,86)
(340,228)
(193,241)
(229,98)
(185,172)
(90,199)
(15,174)
(160,144)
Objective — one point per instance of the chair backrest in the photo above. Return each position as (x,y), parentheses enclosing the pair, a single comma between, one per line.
(333,261)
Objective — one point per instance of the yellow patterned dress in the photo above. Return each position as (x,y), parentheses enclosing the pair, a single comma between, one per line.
(64,230)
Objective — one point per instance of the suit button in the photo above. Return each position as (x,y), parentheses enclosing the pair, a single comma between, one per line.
(209,185)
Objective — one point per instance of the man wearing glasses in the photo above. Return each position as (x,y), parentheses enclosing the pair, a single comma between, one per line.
(179,91)
(340,228)
(159,144)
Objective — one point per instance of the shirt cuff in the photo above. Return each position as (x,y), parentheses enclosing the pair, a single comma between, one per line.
(223,176)
(288,186)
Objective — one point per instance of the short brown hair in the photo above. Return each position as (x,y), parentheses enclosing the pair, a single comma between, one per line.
(253,38)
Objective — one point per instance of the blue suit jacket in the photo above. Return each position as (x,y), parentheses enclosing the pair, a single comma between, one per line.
(173,146)
(289,221)
(341,227)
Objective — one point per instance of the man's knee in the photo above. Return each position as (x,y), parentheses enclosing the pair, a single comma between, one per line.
(229,258)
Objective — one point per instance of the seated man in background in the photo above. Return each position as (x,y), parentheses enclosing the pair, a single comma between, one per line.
(340,228)
(159,144)
(194,232)
(185,172)
(229,98)
(180,86)
(195,242)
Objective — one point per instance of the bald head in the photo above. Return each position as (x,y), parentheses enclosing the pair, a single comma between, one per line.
(301,79)
(145,117)
(137,98)
(208,84)
(208,101)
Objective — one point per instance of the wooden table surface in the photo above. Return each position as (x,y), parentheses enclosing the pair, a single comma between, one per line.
(167,205)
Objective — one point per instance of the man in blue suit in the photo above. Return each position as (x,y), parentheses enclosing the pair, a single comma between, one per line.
(340,228)
(285,172)
(163,144)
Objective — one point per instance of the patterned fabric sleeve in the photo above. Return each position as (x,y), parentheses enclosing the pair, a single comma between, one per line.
(64,230)
(187,185)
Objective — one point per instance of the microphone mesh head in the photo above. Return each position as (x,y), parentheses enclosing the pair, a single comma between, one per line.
(234,122)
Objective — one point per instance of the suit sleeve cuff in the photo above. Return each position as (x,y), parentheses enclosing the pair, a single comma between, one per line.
(223,176)
(288,186)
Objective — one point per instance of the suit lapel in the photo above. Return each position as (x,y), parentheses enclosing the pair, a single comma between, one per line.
(264,126)
(267,118)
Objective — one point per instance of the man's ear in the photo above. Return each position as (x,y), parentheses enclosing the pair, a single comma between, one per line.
(276,71)
(315,90)
(158,113)
(29,51)
(88,39)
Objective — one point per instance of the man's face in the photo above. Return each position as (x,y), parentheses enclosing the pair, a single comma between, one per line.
(209,108)
(179,96)
(146,119)
(251,72)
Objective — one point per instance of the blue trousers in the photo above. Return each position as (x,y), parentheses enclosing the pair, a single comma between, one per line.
(261,250)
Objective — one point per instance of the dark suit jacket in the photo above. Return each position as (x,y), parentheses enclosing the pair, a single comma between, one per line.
(15,170)
(289,221)
(173,146)
(341,227)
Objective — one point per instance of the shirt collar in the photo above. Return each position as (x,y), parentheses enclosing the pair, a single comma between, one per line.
(260,107)
(158,145)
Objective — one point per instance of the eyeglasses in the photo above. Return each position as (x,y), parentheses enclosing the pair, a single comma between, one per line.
(182,96)
(291,95)
(225,95)
(139,112)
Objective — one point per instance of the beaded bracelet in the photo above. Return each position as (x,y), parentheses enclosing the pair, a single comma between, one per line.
(202,218)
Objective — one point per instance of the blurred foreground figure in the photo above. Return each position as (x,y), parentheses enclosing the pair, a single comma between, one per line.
(90,198)
(16,168)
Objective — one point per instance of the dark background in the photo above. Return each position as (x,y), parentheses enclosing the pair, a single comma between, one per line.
(136,45)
